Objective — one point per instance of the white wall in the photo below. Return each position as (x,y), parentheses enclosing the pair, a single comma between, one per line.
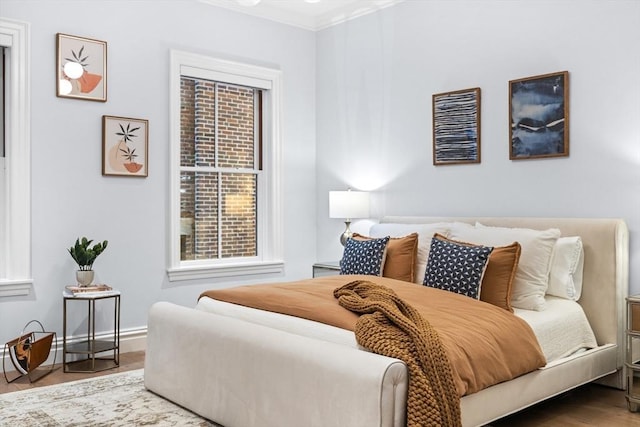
(376,76)
(70,196)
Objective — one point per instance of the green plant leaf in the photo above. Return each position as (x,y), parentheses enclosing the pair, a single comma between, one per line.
(84,255)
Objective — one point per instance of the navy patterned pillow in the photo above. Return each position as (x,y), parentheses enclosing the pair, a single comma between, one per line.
(364,256)
(456,268)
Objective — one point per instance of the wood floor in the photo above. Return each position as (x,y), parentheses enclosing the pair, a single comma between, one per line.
(128,362)
(589,405)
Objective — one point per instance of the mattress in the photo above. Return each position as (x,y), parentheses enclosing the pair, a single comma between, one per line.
(562,328)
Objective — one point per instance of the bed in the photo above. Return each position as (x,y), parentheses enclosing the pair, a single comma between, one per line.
(241,366)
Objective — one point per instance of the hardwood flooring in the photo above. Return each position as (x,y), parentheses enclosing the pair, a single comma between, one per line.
(128,362)
(587,406)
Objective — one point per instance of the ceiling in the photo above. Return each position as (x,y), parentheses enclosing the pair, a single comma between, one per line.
(302,13)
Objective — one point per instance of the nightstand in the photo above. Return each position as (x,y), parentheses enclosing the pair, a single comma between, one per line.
(95,354)
(633,353)
(331,268)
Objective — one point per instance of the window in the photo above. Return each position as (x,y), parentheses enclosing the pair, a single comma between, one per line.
(3,117)
(3,108)
(15,167)
(226,213)
(219,169)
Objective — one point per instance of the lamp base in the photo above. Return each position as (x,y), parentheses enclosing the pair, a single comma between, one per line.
(346,235)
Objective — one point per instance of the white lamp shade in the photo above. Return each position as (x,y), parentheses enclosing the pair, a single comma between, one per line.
(348,204)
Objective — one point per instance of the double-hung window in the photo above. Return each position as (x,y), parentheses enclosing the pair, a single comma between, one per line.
(15,164)
(225,188)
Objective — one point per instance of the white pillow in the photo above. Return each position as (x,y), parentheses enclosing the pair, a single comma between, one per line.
(532,276)
(425,233)
(567,262)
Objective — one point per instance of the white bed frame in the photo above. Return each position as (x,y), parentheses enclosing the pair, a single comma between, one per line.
(242,374)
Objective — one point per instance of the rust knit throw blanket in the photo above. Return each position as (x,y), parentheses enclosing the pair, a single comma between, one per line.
(391,327)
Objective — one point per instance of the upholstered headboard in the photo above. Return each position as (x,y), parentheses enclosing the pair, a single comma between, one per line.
(606,265)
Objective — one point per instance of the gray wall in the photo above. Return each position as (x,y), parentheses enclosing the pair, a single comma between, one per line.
(376,75)
(70,196)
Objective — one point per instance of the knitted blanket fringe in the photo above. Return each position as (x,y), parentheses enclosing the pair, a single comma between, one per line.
(389,326)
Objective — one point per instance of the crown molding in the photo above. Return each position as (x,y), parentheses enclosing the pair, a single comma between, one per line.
(313,17)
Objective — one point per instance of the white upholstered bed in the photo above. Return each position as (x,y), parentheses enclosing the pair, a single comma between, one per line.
(244,367)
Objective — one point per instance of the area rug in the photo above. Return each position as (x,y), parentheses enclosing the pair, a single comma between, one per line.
(110,400)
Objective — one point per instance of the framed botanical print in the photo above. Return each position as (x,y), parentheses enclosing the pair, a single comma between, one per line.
(81,68)
(125,146)
(539,116)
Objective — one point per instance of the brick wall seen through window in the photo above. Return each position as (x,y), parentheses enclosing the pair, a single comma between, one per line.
(219,169)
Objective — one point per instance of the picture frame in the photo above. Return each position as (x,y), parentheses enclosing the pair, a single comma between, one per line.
(81,68)
(456,127)
(125,146)
(539,116)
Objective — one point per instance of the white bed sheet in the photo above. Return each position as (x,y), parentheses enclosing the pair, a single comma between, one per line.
(562,328)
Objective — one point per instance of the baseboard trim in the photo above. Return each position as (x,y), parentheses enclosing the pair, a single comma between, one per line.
(132,339)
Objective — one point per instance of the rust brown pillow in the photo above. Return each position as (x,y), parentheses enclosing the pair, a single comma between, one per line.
(402,252)
(497,281)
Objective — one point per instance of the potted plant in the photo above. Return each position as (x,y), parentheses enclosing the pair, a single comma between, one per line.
(84,255)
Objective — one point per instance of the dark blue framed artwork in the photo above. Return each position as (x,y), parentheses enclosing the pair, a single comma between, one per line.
(456,127)
(539,116)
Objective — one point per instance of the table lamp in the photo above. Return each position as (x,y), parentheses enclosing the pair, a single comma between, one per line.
(348,205)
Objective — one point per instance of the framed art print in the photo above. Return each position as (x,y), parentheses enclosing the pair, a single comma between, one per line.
(456,127)
(539,116)
(81,68)
(125,146)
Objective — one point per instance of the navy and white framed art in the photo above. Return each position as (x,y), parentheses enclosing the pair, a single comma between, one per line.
(456,127)
(539,116)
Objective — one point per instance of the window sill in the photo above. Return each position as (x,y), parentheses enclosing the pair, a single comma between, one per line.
(15,288)
(229,270)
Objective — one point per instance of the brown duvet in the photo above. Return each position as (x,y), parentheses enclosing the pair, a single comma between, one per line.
(485,344)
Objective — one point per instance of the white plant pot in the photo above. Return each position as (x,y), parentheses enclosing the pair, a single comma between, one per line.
(84,277)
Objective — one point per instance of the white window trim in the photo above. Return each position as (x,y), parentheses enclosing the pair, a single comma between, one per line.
(16,247)
(270,230)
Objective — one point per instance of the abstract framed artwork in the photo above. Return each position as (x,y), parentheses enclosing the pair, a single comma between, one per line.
(456,127)
(125,146)
(81,68)
(539,116)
